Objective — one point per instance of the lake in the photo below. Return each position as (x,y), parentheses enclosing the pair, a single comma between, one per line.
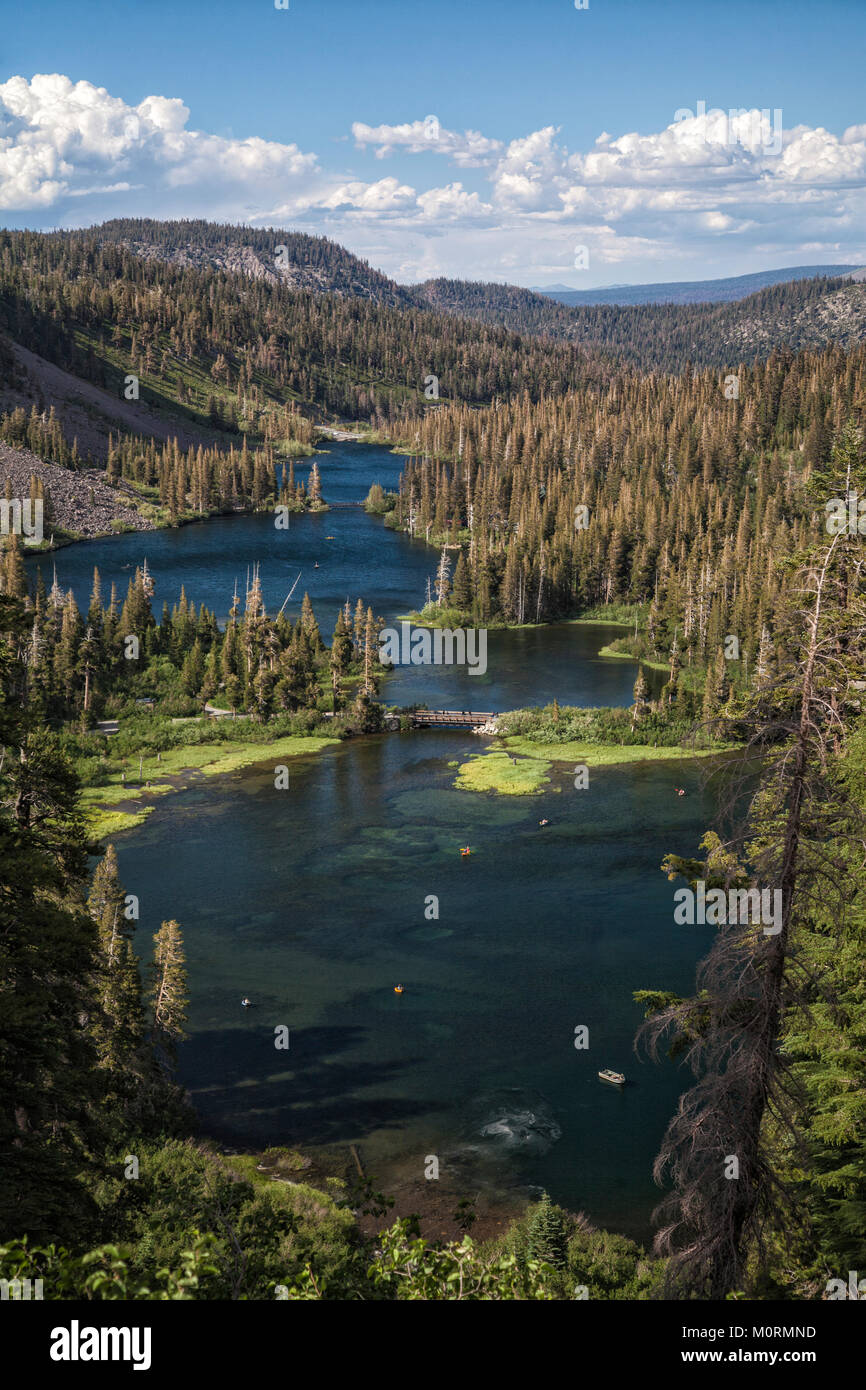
(317,900)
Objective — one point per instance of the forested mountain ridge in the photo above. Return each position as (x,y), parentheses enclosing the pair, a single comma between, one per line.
(798,313)
(305,263)
(223,348)
(669,337)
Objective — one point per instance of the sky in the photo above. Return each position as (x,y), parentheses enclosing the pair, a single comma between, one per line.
(627,142)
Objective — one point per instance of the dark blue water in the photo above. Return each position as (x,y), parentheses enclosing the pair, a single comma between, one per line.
(312,900)
(363,559)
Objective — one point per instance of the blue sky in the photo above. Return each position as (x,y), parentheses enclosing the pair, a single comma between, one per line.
(555,154)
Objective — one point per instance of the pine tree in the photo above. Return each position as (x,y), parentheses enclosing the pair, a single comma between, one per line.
(640,693)
(443,581)
(13,576)
(48,943)
(371,654)
(211,679)
(192,673)
(168,998)
(315,486)
(66,655)
(341,657)
(716,688)
(671,689)
(358,627)
(461,593)
(119,1026)
(309,624)
(88,664)
(95,616)
(825,1038)
(547,1236)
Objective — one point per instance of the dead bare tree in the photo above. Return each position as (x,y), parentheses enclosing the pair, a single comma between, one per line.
(725,1191)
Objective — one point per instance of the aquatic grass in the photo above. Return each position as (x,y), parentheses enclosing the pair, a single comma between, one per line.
(499,773)
(604,754)
(103,824)
(627,656)
(211,759)
(115,793)
(234,756)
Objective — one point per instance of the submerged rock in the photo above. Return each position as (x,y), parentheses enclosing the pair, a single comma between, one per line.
(517,1120)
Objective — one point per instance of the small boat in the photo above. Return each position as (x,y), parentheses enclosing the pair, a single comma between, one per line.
(615,1077)
(330,538)
(245,1003)
(398,989)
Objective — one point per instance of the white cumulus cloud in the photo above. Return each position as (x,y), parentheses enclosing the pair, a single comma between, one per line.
(704,190)
(427,136)
(59,138)
(385,195)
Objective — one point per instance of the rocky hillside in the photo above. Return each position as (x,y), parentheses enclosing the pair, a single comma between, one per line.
(304,262)
(87,413)
(78,503)
(838,315)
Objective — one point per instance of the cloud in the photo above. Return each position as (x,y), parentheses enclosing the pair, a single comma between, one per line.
(531,172)
(452,203)
(468,151)
(706,189)
(60,139)
(386,195)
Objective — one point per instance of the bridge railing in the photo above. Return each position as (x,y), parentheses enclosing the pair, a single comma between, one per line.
(451,716)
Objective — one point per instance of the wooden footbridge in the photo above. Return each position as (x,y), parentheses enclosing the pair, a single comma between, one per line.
(450,718)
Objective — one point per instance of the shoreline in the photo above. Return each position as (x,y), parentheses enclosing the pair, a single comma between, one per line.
(316,1166)
(139,513)
(215,759)
(418,620)
(151,527)
(493,770)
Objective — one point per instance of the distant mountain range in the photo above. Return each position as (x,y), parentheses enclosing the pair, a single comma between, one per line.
(692,291)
